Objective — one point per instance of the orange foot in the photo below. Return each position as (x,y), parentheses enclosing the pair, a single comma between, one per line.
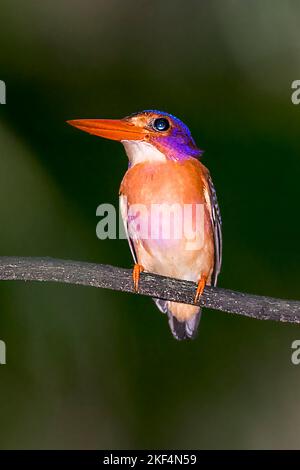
(200,288)
(137,270)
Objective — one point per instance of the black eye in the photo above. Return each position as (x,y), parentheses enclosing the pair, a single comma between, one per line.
(161,124)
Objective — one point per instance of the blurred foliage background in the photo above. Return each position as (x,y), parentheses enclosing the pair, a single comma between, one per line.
(90,368)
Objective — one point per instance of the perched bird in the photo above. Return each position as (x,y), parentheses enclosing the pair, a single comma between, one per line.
(165,172)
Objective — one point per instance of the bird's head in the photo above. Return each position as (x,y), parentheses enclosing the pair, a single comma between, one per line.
(140,132)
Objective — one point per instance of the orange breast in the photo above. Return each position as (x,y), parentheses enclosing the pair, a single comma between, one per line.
(165,182)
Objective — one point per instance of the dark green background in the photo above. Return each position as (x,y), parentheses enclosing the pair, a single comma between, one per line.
(90,368)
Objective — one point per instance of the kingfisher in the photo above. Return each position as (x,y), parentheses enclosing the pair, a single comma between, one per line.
(164,172)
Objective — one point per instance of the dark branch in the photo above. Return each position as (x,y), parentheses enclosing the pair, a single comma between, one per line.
(110,277)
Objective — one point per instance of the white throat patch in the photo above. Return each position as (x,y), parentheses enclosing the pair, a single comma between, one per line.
(139,151)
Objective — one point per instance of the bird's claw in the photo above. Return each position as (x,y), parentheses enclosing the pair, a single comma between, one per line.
(137,270)
(200,288)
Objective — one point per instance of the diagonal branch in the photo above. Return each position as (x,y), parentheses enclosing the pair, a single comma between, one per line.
(110,277)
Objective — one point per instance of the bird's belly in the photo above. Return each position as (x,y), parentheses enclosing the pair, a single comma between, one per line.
(175,259)
(172,241)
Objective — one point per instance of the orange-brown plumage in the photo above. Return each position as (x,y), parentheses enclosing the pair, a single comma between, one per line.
(171,182)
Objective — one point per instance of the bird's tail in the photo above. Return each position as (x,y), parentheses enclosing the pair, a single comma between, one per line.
(183,319)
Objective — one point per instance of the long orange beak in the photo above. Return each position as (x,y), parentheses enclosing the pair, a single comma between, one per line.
(114,129)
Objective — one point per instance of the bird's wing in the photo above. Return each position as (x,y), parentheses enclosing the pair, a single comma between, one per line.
(124,214)
(217,228)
